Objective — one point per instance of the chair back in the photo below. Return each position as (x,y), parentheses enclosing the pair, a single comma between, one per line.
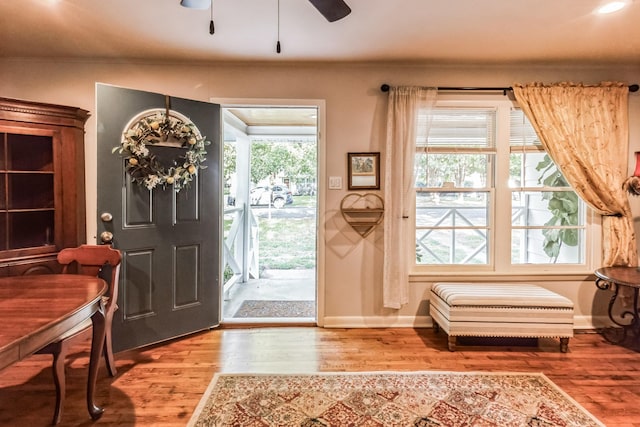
(91,260)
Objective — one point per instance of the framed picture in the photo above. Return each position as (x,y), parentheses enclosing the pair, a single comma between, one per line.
(364,171)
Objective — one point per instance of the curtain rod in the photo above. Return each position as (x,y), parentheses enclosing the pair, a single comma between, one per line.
(385,88)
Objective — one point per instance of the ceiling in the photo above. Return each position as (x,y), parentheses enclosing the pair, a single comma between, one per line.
(272,124)
(290,117)
(444,31)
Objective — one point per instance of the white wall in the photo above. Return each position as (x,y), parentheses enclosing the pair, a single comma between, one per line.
(355,109)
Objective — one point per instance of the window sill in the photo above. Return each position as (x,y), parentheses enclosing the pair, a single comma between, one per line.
(502,277)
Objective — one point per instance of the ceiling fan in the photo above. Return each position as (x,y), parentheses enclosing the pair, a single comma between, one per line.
(333,10)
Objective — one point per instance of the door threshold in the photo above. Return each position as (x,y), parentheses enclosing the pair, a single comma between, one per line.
(254,322)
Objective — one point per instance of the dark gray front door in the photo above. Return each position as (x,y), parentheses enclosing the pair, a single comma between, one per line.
(169,279)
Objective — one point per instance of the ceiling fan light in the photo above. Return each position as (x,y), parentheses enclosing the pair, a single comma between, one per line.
(195,4)
(612,6)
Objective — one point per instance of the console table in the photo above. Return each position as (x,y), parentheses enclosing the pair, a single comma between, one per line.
(37,309)
(616,279)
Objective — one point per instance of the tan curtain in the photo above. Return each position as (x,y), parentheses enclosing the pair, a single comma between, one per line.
(585,131)
(402,113)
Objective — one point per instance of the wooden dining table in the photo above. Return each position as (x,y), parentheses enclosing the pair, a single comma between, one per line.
(37,309)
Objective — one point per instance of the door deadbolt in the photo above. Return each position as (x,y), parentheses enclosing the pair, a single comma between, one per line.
(106,217)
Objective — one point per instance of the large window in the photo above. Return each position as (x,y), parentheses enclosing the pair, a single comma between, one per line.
(488,197)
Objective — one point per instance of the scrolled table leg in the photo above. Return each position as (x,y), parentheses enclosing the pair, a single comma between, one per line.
(97,344)
(635,324)
(623,328)
(603,284)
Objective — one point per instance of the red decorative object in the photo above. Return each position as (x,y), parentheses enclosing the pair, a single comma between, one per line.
(637,171)
(632,184)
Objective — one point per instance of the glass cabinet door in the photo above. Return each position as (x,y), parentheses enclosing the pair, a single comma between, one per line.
(27,193)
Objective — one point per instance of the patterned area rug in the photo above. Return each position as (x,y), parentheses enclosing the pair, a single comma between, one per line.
(261,308)
(386,399)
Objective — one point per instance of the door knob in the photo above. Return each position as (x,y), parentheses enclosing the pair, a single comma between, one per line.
(106,237)
(106,217)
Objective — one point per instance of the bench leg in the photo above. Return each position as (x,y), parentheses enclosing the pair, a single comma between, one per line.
(452,343)
(564,345)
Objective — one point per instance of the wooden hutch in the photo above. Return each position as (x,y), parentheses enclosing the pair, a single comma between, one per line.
(42,189)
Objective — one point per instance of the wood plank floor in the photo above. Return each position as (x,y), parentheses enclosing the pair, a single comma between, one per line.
(161,385)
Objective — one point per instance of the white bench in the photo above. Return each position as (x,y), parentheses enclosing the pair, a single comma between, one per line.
(500,310)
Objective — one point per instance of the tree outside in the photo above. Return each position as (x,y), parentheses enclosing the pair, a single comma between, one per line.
(287,236)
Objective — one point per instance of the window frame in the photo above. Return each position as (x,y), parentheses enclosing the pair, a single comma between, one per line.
(500,195)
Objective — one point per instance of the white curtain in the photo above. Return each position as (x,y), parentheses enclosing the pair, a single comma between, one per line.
(402,117)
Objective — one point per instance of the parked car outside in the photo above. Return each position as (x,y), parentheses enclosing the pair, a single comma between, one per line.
(279,196)
(305,190)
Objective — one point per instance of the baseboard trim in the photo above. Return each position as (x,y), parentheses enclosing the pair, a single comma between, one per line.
(579,322)
(378,322)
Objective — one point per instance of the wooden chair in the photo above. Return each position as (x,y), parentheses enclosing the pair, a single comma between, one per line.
(92,260)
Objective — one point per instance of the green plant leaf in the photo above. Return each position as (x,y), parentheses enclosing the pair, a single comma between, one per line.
(569,237)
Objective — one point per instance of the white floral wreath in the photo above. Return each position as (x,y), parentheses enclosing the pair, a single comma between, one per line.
(144,166)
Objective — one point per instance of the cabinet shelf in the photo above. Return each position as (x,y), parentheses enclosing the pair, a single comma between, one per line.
(22,172)
(29,210)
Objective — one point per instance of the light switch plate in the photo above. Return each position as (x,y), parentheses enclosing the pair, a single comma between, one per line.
(335,183)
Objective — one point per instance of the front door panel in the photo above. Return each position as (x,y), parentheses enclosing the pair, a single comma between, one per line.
(169,279)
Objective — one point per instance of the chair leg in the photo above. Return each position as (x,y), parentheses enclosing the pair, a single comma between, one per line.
(108,347)
(59,380)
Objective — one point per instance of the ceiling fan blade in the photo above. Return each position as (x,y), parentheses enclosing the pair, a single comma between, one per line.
(332,9)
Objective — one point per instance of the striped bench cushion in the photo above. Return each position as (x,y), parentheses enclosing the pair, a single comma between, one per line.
(500,310)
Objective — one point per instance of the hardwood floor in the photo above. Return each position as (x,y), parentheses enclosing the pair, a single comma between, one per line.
(161,385)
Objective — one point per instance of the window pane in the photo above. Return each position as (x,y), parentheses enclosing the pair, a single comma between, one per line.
(521,132)
(451,246)
(452,209)
(527,170)
(460,170)
(546,208)
(550,228)
(457,128)
(545,246)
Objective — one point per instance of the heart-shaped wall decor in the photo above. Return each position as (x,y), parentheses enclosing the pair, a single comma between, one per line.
(363,212)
